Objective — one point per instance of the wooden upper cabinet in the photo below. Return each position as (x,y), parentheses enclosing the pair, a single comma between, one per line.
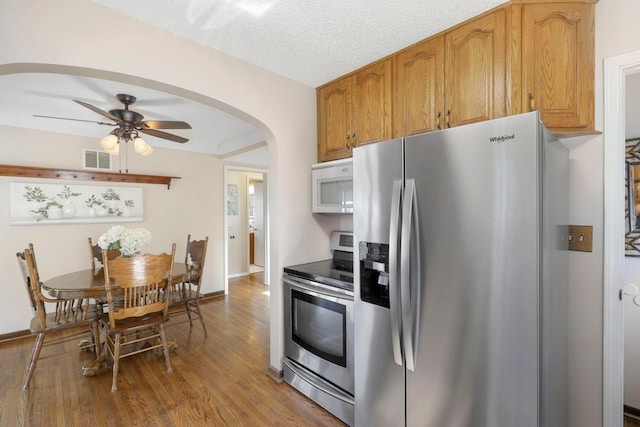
(524,55)
(475,70)
(418,95)
(558,65)
(372,103)
(453,79)
(334,120)
(354,110)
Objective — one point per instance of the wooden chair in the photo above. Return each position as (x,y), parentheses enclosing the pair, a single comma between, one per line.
(96,254)
(137,310)
(68,314)
(184,297)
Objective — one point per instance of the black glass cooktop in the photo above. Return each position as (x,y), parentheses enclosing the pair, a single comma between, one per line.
(323,272)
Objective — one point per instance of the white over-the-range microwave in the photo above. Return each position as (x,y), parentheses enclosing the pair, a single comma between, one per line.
(332,187)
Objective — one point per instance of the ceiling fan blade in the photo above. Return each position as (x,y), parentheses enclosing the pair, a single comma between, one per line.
(76,120)
(99,111)
(164,135)
(165,124)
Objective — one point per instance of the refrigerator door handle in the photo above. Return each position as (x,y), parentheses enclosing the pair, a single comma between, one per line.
(394,279)
(410,274)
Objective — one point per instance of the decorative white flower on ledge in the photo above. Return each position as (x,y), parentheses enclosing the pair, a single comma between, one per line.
(128,241)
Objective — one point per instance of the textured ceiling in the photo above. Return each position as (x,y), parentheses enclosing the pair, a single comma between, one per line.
(310,41)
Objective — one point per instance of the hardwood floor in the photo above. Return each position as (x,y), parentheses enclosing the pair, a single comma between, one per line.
(219,380)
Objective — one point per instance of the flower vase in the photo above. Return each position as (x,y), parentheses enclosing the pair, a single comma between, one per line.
(54,212)
(126,211)
(91,212)
(68,208)
(101,211)
(36,209)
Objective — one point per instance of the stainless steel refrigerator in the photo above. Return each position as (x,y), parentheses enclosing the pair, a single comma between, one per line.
(461,280)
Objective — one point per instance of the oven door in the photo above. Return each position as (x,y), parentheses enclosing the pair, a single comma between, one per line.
(319,330)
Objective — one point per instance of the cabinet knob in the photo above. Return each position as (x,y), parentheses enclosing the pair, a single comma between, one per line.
(438,120)
(532,102)
(448,118)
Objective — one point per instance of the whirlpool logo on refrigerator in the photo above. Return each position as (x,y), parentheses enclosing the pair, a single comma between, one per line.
(503,138)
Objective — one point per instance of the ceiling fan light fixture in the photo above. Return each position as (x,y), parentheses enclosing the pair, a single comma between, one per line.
(110,143)
(114,151)
(141,147)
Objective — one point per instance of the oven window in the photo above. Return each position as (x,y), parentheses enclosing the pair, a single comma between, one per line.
(319,326)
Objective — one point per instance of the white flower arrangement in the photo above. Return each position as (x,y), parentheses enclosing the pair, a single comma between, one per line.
(128,241)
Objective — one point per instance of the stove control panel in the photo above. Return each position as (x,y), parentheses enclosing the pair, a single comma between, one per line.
(342,241)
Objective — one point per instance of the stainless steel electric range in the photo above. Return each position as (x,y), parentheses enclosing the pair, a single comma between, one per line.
(318,310)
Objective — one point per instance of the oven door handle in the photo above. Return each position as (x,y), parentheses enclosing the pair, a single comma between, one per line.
(303,376)
(307,285)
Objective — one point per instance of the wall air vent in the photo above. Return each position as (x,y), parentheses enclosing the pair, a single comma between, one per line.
(92,159)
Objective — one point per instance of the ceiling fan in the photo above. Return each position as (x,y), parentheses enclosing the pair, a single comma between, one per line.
(130,122)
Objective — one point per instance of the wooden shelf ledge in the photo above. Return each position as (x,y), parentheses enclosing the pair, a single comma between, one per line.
(83,175)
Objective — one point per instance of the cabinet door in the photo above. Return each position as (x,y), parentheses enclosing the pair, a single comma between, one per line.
(372,103)
(475,70)
(418,93)
(558,65)
(334,120)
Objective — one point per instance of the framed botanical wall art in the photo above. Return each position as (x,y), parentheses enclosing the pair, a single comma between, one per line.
(34,203)
(232,199)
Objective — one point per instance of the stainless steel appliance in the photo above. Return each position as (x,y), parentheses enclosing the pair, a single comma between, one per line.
(318,318)
(461,278)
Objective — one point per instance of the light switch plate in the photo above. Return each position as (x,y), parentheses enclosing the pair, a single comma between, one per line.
(581,238)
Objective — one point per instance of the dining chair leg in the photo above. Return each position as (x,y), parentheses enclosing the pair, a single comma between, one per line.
(165,348)
(201,318)
(95,332)
(116,362)
(186,305)
(35,354)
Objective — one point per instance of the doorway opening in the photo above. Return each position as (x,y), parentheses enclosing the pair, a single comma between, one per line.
(246,223)
(255,191)
(616,70)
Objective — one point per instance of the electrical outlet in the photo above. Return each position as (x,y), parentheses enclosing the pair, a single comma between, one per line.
(581,238)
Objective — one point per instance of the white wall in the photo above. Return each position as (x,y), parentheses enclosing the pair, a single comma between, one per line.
(89,39)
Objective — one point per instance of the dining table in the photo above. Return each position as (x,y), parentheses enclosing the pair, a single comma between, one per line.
(90,284)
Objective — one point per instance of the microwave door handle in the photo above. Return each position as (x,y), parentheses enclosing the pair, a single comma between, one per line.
(410,274)
(394,283)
